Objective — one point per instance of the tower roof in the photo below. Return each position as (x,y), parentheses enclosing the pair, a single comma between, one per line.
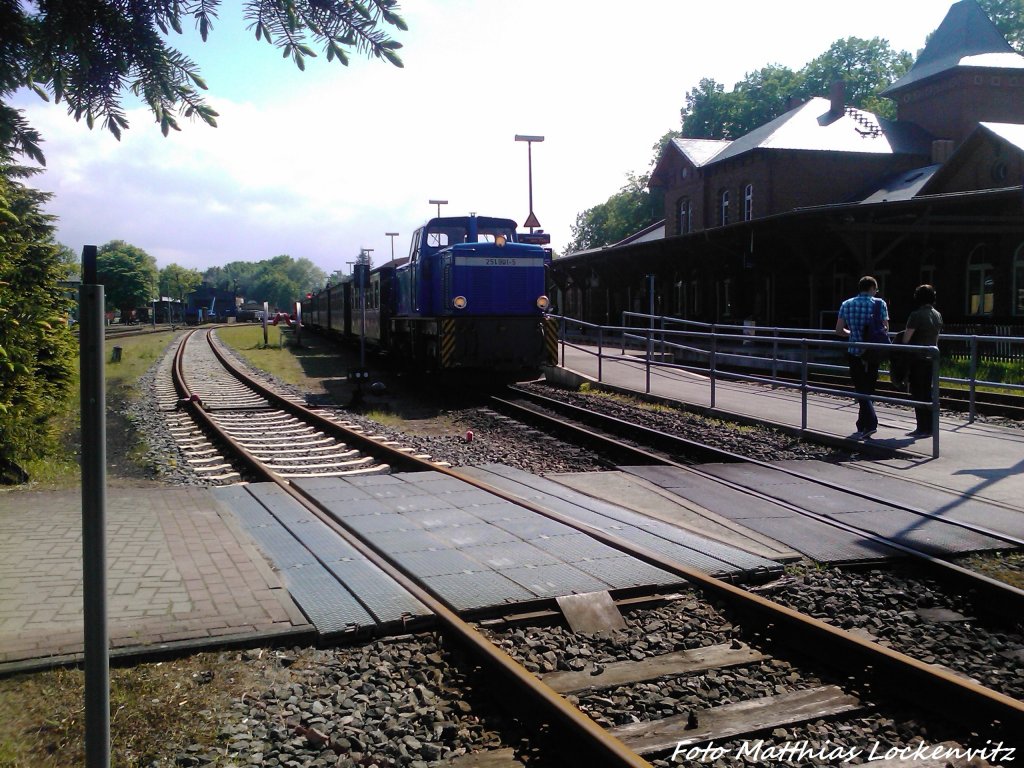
(965,38)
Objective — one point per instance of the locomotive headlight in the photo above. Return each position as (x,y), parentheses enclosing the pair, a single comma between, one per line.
(543,302)
(459,302)
(499,240)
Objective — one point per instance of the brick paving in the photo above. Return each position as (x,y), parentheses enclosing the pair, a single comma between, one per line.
(178,568)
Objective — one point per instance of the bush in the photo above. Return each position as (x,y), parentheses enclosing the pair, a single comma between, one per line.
(37,353)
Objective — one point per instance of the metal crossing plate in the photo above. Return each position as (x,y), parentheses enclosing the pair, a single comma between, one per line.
(623,572)
(574,547)
(352,507)
(327,604)
(298,543)
(439,562)
(280,546)
(554,580)
(424,503)
(672,542)
(368,524)
(819,541)
(481,589)
(436,518)
(462,536)
(930,536)
(378,591)
(934,500)
(515,554)
(534,527)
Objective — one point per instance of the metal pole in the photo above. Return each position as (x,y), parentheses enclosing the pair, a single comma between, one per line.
(935,405)
(94,502)
(266,311)
(712,361)
(650,343)
(973,375)
(803,384)
(529,172)
(775,354)
(561,322)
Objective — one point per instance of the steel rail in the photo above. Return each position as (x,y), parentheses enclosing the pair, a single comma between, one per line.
(595,743)
(728,456)
(999,598)
(921,684)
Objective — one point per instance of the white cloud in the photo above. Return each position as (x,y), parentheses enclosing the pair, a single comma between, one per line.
(333,158)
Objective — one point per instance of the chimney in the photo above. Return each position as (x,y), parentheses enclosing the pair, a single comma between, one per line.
(837,95)
(941,150)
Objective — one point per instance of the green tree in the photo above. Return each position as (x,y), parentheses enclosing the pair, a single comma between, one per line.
(89,53)
(627,211)
(706,112)
(177,282)
(282,280)
(234,276)
(763,95)
(37,352)
(1008,16)
(865,66)
(128,275)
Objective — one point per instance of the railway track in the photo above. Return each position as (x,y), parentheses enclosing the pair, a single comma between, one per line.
(648,446)
(875,668)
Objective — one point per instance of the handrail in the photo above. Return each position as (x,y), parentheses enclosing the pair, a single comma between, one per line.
(972,382)
(714,354)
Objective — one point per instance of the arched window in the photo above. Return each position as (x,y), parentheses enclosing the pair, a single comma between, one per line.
(723,207)
(1018,281)
(980,283)
(748,202)
(685,216)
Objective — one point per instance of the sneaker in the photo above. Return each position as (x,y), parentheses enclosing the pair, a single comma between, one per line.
(920,433)
(866,433)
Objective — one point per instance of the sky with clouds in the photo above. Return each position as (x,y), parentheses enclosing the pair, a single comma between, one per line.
(321,163)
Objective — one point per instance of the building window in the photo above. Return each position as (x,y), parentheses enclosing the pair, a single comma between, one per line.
(1018,281)
(723,207)
(980,284)
(748,202)
(685,216)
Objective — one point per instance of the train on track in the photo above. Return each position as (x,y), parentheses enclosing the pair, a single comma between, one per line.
(469,295)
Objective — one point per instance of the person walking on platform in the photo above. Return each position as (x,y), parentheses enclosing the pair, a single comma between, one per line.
(923,328)
(854,314)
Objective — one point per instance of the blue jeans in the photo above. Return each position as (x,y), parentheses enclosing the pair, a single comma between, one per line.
(864,374)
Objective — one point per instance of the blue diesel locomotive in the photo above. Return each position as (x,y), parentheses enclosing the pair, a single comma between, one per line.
(468,296)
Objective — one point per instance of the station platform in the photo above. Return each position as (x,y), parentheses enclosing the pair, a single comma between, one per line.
(982,460)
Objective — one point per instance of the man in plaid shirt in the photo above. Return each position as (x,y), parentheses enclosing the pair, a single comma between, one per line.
(854,314)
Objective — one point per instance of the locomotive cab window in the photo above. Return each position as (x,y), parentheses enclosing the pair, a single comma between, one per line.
(437,238)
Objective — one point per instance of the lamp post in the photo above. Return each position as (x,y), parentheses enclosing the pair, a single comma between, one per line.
(531,220)
(393,235)
(438,203)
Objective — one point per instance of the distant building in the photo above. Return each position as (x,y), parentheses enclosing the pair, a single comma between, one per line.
(778,225)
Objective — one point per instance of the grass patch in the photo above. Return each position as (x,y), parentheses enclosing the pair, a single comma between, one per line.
(60,469)
(1007,567)
(156,710)
(996,371)
(275,357)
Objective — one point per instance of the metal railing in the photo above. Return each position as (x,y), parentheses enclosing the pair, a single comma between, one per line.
(704,351)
